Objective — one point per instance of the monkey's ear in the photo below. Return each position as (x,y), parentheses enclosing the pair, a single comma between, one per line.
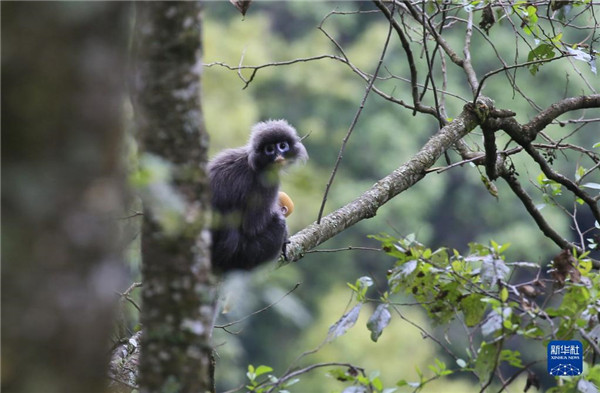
(286,204)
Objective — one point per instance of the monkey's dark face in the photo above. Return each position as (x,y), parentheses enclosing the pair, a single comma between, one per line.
(275,147)
(274,154)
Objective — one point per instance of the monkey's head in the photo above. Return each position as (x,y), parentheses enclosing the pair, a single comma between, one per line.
(274,144)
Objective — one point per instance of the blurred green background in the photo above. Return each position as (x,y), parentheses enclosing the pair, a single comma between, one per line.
(320,99)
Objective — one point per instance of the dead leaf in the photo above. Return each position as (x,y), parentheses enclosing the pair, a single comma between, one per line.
(241,5)
(487,18)
(564,266)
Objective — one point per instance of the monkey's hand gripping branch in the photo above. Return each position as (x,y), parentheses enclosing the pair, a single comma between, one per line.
(401,179)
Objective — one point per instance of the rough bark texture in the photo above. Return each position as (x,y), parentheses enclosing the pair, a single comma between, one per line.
(123,370)
(178,289)
(62,191)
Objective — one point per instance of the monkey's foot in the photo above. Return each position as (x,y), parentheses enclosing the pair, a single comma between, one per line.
(284,250)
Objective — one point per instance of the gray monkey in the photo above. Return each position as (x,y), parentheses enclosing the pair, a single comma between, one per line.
(248,224)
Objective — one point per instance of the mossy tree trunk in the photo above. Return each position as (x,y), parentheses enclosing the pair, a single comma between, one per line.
(178,290)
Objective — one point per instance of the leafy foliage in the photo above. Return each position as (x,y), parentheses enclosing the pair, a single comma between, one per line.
(475,290)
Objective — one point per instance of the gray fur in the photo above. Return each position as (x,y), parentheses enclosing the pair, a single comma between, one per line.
(249,227)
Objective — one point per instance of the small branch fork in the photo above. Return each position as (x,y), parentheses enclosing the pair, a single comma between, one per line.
(525,134)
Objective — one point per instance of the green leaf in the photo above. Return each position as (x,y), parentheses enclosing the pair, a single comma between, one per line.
(541,52)
(485,362)
(401,383)
(344,323)
(557,38)
(340,375)
(492,324)
(260,370)
(580,171)
(377,384)
(379,320)
(511,357)
(585,266)
(594,186)
(504,294)
(503,248)
(365,282)
(251,374)
(473,309)
(493,269)
(461,363)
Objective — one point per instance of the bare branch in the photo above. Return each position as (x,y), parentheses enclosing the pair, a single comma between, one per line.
(467,65)
(546,229)
(258,311)
(514,66)
(443,43)
(278,63)
(406,46)
(366,205)
(349,248)
(523,135)
(593,343)
(307,369)
(546,116)
(353,124)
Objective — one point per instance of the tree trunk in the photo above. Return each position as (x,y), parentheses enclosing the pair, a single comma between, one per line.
(62,192)
(178,289)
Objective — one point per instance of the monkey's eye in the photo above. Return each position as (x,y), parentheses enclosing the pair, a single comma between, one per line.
(269,150)
(283,147)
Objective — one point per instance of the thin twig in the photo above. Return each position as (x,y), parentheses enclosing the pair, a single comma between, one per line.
(273,64)
(307,369)
(125,295)
(590,340)
(508,67)
(542,224)
(258,311)
(135,214)
(354,122)
(515,375)
(350,248)
(467,65)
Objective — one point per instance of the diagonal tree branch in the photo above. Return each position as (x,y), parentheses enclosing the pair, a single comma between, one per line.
(533,211)
(525,134)
(406,46)
(366,205)
(545,117)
